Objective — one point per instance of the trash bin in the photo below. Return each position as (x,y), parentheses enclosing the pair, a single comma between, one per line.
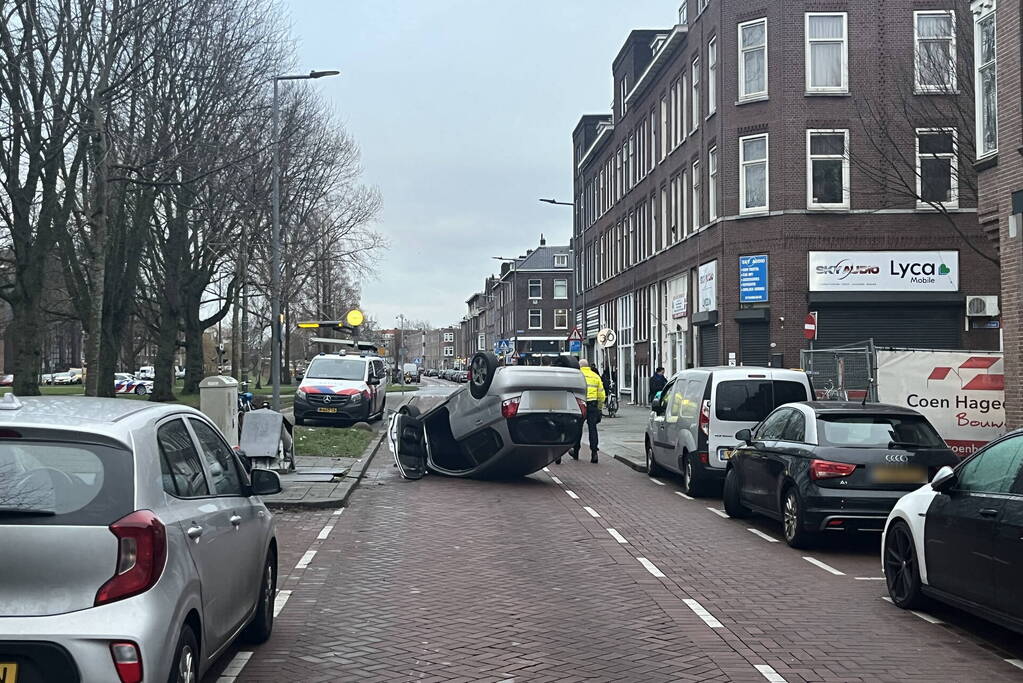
(218,399)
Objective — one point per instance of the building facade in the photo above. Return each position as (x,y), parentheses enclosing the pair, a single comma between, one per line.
(749,175)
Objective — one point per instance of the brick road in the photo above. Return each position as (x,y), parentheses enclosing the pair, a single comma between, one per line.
(452,580)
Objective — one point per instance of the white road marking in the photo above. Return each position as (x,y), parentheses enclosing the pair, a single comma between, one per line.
(679,493)
(593,513)
(306,559)
(657,481)
(869,578)
(719,513)
(926,617)
(650,566)
(556,480)
(826,567)
(280,601)
(572,494)
(234,668)
(339,511)
(546,469)
(324,532)
(770,674)
(701,612)
(761,534)
(1018,663)
(618,537)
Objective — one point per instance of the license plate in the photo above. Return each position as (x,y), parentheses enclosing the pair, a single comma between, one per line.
(326,410)
(8,672)
(546,402)
(900,475)
(725,453)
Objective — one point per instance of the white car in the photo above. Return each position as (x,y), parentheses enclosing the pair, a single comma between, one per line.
(126,383)
(146,372)
(958,539)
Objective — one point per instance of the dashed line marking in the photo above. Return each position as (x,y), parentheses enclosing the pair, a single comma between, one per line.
(679,493)
(701,612)
(593,513)
(869,578)
(761,534)
(719,513)
(324,532)
(657,481)
(572,494)
(926,617)
(546,469)
(618,537)
(826,567)
(306,559)
(234,667)
(556,480)
(770,674)
(650,566)
(338,511)
(280,601)
(1018,663)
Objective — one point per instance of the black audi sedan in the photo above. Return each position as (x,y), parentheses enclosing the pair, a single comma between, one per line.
(831,466)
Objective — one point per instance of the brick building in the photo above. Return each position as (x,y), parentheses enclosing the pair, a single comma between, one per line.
(734,189)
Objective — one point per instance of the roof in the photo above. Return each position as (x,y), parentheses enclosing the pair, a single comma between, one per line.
(542,258)
(111,417)
(826,407)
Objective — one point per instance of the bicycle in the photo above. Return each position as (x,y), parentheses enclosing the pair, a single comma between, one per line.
(830,393)
(245,399)
(611,405)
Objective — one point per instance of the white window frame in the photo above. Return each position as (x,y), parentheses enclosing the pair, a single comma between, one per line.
(844,87)
(712,184)
(449,337)
(743,163)
(481,342)
(683,104)
(694,95)
(539,314)
(529,289)
(982,10)
(564,283)
(624,96)
(664,127)
(697,183)
(952,86)
(683,212)
(561,312)
(810,203)
(683,13)
(760,94)
(953,169)
(449,351)
(561,260)
(712,76)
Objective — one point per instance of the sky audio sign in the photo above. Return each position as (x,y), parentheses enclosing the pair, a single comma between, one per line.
(883,271)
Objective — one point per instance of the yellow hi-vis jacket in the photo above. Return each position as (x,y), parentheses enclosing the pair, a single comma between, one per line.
(594,386)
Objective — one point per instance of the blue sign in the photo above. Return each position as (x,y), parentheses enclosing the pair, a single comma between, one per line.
(575,346)
(752,279)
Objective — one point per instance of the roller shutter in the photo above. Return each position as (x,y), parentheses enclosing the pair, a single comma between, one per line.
(914,325)
(710,346)
(755,343)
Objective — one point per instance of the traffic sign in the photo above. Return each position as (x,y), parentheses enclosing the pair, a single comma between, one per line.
(575,345)
(810,325)
(575,335)
(418,361)
(607,338)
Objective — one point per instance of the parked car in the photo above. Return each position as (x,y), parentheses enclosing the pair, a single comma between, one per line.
(152,529)
(694,418)
(149,372)
(126,383)
(411,372)
(957,540)
(6,380)
(46,378)
(432,372)
(179,373)
(821,466)
(508,422)
(342,386)
(63,378)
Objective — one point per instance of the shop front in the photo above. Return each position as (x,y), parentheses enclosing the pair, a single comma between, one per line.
(706,320)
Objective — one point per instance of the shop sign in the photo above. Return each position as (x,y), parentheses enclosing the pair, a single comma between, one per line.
(753,279)
(680,306)
(708,287)
(883,271)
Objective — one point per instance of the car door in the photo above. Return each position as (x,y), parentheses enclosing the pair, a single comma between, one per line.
(785,456)
(759,485)
(1008,552)
(239,530)
(959,534)
(657,437)
(407,437)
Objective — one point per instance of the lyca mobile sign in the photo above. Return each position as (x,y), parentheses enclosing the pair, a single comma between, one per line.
(883,271)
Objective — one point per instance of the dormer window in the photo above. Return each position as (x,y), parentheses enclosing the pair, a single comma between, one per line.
(683,14)
(561,260)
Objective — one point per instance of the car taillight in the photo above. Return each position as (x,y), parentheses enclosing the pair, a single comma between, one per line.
(825,469)
(582,406)
(141,553)
(705,418)
(510,408)
(127,661)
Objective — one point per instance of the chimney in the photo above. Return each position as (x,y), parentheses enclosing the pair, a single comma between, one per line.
(543,242)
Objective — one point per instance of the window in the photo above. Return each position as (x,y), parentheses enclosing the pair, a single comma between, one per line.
(753,174)
(535,318)
(623,93)
(664,127)
(183,475)
(934,33)
(986,84)
(535,289)
(697,214)
(683,13)
(994,470)
(936,178)
(827,169)
(674,398)
(561,289)
(875,431)
(695,96)
(219,460)
(674,137)
(750,400)
(561,260)
(753,59)
(449,351)
(561,318)
(774,426)
(795,428)
(712,76)
(481,342)
(712,184)
(826,53)
(449,336)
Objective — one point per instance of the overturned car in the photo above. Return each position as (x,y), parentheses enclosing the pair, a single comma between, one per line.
(506,422)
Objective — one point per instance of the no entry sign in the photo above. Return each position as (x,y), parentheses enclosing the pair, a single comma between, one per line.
(810,326)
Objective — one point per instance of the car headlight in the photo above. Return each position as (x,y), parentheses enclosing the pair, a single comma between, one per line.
(299,393)
(356,398)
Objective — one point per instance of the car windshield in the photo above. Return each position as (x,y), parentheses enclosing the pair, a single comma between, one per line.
(750,400)
(337,368)
(877,431)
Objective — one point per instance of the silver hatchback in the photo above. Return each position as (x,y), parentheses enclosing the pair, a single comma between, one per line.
(133,543)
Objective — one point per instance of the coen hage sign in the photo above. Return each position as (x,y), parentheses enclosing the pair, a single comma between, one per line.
(883,271)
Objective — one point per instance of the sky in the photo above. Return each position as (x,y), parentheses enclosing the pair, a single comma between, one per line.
(464,111)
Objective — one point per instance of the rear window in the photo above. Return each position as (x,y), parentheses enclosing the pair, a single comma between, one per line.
(877,431)
(62,483)
(751,400)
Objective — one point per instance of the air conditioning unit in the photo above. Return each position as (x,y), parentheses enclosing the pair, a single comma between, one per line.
(981,306)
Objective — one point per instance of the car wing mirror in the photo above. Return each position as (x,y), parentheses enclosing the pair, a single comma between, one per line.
(373,381)
(265,482)
(657,405)
(745,436)
(943,479)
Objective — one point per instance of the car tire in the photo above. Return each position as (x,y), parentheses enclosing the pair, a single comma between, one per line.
(185,665)
(483,366)
(793,520)
(262,624)
(902,567)
(410,410)
(652,468)
(140,390)
(730,496)
(692,483)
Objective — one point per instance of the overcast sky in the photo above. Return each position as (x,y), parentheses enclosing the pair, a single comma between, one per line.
(464,111)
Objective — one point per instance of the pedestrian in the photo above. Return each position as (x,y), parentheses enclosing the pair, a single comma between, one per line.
(657,382)
(595,396)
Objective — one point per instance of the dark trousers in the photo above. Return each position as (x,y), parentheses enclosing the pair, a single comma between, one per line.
(592,417)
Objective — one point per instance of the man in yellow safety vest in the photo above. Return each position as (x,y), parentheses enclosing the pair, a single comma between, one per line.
(594,406)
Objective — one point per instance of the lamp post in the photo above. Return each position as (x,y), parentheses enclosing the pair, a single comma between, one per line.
(275,238)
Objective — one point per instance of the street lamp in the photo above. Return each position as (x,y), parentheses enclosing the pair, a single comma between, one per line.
(275,238)
(555,201)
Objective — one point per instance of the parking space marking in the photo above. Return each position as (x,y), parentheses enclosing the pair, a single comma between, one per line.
(593,513)
(657,481)
(926,617)
(770,674)
(306,559)
(1018,663)
(826,567)
(650,566)
(280,601)
(234,667)
(618,537)
(324,532)
(338,511)
(701,612)
(869,578)
(556,480)
(719,513)
(761,534)
(679,493)
(572,494)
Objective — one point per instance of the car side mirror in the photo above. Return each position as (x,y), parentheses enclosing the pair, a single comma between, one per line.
(943,479)
(745,436)
(265,482)
(657,405)
(373,381)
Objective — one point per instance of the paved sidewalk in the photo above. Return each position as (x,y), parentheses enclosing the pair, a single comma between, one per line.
(621,437)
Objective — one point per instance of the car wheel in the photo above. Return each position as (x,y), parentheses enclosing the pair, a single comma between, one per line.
(901,568)
(410,410)
(185,665)
(140,390)
(483,366)
(262,624)
(652,468)
(793,521)
(731,498)
(692,485)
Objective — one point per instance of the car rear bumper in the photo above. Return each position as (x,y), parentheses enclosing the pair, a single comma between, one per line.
(848,509)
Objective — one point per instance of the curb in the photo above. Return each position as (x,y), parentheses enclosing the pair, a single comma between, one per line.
(639,467)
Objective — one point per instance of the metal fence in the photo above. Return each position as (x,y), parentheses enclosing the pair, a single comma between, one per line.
(842,373)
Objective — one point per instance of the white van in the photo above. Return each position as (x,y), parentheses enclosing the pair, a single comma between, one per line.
(146,372)
(695,417)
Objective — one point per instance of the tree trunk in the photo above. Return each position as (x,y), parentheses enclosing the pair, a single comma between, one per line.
(166,348)
(235,315)
(286,364)
(193,351)
(26,335)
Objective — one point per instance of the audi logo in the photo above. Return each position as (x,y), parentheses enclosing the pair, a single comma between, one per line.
(896,457)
